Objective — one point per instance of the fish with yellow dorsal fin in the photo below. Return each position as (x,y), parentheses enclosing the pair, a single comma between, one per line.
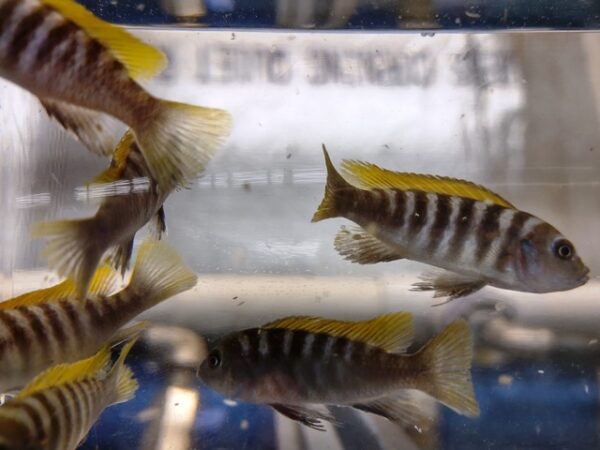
(470,231)
(54,326)
(75,247)
(297,362)
(58,408)
(84,69)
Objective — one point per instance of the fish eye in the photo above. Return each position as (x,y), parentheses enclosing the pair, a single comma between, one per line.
(564,249)
(214,359)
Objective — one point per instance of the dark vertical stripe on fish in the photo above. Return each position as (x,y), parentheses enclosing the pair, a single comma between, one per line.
(397,219)
(7,9)
(82,402)
(297,343)
(67,423)
(440,223)
(487,231)
(419,216)
(35,325)
(93,50)
(25,31)
(74,319)
(75,425)
(508,246)
(56,36)
(52,441)
(56,324)
(38,423)
(92,311)
(17,332)
(318,346)
(461,227)
(253,341)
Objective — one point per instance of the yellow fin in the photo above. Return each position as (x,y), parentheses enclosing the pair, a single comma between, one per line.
(103,284)
(369,176)
(141,60)
(119,160)
(69,373)
(448,359)
(126,383)
(391,332)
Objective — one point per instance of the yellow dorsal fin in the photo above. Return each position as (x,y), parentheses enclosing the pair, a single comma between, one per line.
(69,373)
(103,284)
(369,176)
(119,160)
(391,332)
(141,60)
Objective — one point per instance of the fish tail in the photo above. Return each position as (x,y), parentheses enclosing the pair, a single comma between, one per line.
(73,249)
(178,140)
(448,358)
(126,385)
(335,183)
(159,273)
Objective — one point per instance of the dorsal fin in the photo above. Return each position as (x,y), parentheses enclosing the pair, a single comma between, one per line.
(69,373)
(118,162)
(141,60)
(102,284)
(369,176)
(390,332)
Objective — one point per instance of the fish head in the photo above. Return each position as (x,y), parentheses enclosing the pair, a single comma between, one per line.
(226,369)
(548,262)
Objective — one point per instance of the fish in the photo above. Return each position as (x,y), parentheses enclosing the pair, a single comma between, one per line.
(474,235)
(54,326)
(87,74)
(57,409)
(76,247)
(295,363)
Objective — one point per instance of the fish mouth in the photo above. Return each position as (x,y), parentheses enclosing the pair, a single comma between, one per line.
(584,278)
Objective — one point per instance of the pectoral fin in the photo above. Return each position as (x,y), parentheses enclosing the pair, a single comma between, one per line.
(401,408)
(306,416)
(449,284)
(358,246)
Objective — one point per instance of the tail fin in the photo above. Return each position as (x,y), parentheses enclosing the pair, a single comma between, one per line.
(159,273)
(179,140)
(327,209)
(73,249)
(448,356)
(126,385)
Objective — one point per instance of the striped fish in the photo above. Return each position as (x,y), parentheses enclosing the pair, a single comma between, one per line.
(57,410)
(452,224)
(84,70)
(49,327)
(115,224)
(298,361)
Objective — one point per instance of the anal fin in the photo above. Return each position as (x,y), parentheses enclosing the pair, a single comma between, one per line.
(358,246)
(306,416)
(402,408)
(99,132)
(448,284)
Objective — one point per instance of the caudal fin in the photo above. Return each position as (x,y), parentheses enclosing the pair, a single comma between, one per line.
(73,249)
(159,273)
(335,182)
(178,140)
(448,358)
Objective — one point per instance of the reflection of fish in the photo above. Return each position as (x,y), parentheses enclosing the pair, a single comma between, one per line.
(52,326)
(83,69)
(76,246)
(59,407)
(448,223)
(297,361)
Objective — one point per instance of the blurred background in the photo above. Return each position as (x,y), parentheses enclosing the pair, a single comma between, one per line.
(516,111)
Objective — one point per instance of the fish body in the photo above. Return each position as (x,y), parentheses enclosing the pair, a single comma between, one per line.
(113,226)
(83,69)
(477,235)
(39,330)
(299,361)
(57,410)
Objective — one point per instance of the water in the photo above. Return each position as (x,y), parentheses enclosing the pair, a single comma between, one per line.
(516,112)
